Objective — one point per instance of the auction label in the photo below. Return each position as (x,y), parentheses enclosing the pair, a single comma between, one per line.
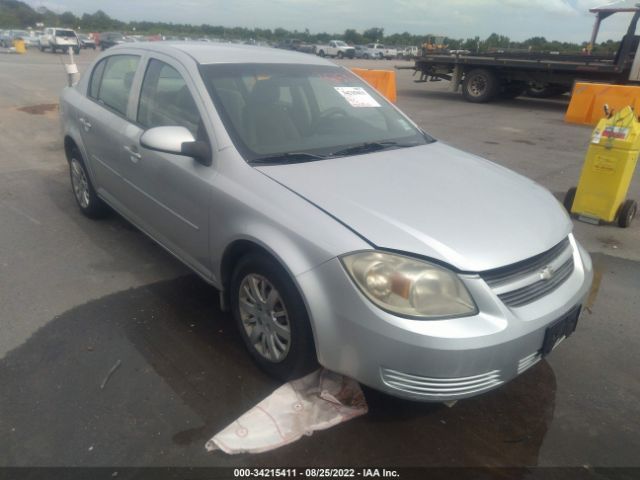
(357,97)
(318,472)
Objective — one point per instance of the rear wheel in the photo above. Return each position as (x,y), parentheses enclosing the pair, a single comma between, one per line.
(340,54)
(272,317)
(480,85)
(366,56)
(321,53)
(627,213)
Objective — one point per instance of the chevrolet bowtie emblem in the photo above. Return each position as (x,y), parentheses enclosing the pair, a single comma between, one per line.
(546,273)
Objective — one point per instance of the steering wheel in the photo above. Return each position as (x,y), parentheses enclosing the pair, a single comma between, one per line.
(328,114)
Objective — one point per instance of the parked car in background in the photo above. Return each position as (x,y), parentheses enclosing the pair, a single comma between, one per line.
(336,49)
(379,51)
(110,39)
(297,45)
(359,51)
(7,37)
(268,174)
(87,41)
(61,39)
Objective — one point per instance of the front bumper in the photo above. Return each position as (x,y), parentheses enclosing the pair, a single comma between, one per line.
(436,360)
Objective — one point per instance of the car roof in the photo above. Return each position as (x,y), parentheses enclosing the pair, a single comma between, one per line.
(206,53)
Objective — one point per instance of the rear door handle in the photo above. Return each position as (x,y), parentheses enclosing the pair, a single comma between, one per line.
(85,124)
(134,155)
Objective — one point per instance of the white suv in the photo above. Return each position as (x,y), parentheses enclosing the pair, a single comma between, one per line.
(59,39)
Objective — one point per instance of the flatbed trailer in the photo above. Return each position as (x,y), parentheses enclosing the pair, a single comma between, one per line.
(485,76)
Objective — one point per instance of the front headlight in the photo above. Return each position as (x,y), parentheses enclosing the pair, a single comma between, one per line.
(407,286)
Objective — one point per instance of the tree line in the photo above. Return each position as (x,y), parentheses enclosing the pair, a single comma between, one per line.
(17,14)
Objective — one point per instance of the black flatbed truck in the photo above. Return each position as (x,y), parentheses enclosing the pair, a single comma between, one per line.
(486,76)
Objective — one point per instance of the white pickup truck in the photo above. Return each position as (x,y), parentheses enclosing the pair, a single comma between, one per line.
(59,39)
(336,48)
(377,50)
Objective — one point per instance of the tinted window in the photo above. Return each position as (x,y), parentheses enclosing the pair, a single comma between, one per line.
(117,78)
(165,99)
(65,33)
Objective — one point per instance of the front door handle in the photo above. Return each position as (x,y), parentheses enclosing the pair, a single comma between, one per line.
(134,155)
(85,123)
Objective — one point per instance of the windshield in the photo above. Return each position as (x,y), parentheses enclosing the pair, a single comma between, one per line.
(65,33)
(272,109)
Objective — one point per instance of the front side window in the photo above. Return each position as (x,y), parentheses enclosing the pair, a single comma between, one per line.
(115,83)
(272,109)
(165,100)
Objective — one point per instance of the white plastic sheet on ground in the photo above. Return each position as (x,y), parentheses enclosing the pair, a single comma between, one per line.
(318,401)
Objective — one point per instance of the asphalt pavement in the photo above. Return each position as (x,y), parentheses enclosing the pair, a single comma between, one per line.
(79,297)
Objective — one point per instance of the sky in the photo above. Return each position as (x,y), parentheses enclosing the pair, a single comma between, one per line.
(566,20)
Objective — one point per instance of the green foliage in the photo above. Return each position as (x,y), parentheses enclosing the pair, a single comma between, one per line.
(17,14)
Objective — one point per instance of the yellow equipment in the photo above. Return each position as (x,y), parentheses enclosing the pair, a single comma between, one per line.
(20,46)
(607,171)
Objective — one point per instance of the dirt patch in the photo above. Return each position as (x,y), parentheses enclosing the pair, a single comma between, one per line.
(39,109)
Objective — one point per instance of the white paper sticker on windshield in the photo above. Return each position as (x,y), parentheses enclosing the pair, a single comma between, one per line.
(357,97)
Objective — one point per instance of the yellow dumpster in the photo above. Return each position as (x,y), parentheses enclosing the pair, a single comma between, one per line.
(607,172)
(20,46)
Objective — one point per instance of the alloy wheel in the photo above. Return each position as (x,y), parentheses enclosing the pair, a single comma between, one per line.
(264,317)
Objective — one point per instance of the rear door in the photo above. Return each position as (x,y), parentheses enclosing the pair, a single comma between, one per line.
(105,126)
(173,192)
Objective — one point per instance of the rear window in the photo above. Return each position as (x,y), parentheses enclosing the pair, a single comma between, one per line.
(65,33)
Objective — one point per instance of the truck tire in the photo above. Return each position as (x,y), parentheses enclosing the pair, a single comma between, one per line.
(340,55)
(321,53)
(480,85)
(366,56)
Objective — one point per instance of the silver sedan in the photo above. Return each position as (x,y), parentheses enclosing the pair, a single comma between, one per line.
(337,232)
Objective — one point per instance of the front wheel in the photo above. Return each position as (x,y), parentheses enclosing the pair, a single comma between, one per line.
(569,198)
(272,318)
(88,201)
(480,85)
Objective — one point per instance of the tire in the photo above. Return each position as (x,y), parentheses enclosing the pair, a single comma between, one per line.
(569,198)
(76,51)
(93,48)
(321,53)
(627,213)
(479,86)
(282,360)
(366,56)
(86,198)
(340,55)
(41,48)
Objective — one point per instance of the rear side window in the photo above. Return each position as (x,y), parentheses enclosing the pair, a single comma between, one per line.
(111,83)
(165,100)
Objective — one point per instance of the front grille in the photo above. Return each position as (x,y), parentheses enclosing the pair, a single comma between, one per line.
(509,273)
(440,387)
(522,283)
(530,293)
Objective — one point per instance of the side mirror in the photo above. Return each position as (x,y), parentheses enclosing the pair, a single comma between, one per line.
(178,141)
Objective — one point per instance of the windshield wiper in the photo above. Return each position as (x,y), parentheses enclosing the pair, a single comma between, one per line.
(368,147)
(290,157)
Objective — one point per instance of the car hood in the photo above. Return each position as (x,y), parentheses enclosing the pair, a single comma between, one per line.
(433,200)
